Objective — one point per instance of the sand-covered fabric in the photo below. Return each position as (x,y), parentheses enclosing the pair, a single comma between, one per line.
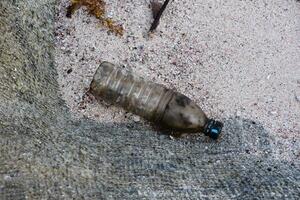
(46,153)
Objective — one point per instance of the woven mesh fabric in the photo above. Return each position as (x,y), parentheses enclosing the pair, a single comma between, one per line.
(45,154)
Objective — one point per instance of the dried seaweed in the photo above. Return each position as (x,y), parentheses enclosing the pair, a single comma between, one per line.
(96,8)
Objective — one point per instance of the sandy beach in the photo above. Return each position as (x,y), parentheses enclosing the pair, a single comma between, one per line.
(234,58)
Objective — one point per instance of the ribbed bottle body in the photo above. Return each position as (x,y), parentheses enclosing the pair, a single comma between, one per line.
(152,101)
(129,91)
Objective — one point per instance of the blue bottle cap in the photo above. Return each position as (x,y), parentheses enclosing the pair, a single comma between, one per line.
(213,128)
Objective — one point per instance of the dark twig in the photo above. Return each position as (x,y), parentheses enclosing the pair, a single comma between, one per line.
(71,9)
(158,16)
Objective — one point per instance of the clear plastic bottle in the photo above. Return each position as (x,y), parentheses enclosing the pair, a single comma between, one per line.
(154,102)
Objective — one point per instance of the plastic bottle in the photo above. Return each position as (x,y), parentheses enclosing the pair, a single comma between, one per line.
(154,102)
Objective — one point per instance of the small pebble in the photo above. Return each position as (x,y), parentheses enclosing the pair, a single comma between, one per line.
(297,96)
(69,71)
(7,177)
(136,118)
